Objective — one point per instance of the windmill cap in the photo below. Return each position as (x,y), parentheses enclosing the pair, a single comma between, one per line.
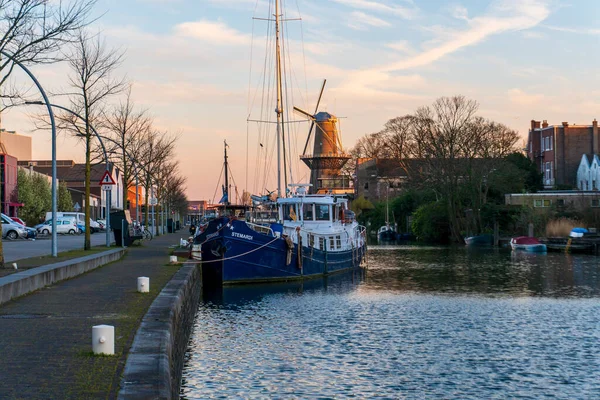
(323,116)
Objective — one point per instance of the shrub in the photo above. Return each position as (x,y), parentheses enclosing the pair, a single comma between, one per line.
(561,227)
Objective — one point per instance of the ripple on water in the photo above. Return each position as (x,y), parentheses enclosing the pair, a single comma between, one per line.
(443,324)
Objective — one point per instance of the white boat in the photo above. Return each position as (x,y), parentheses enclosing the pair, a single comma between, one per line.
(527,243)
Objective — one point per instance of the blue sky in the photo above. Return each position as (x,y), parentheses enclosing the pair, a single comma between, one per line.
(190,62)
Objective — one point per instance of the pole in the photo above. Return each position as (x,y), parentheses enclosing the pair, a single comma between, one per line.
(107,210)
(278,110)
(108,200)
(53,127)
(137,198)
(154,227)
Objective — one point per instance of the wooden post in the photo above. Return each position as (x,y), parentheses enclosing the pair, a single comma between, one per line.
(496,233)
(530,230)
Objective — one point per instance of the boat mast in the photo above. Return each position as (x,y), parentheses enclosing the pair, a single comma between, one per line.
(278,110)
(226,189)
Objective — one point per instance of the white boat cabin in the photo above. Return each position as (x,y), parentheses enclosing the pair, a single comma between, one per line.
(322,222)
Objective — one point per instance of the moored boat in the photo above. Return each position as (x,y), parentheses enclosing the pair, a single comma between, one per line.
(386,233)
(527,243)
(479,240)
(313,238)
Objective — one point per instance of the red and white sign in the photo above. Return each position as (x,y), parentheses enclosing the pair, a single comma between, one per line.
(107,179)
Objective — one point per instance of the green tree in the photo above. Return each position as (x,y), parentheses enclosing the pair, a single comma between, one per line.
(431,223)
(65,201)
(36,196)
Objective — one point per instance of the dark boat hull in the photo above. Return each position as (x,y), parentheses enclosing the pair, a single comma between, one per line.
(232,253)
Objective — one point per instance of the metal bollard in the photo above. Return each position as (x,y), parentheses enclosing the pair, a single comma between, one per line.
(103,339)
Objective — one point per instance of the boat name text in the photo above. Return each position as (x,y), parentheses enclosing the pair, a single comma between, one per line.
(242,236)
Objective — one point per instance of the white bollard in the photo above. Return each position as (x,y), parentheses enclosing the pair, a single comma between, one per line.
(103,339)
(173,259)
(143,284)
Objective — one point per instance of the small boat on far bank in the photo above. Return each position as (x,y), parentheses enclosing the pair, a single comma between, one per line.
(527,243)
(480,240)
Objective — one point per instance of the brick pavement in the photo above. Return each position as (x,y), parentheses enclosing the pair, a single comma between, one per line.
(45,337)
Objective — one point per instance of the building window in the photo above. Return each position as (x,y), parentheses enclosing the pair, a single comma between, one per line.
(548,172)
(595,203)
(550,140)
(542,203)
(560,202)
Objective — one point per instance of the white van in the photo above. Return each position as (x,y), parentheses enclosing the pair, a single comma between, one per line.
(79,217)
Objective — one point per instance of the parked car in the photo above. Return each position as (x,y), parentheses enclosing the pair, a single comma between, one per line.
(19,220)
(63,225)
(102,223)
(11,229)
(80,228)
(79,218)
(31,232)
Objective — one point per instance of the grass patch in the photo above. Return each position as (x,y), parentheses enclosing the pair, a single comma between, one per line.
(34,262)
(99,376)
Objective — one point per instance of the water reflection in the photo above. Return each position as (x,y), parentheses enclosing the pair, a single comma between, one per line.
(488,271)
(421,322)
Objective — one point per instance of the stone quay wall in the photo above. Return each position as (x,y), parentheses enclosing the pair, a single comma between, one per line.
(155,361)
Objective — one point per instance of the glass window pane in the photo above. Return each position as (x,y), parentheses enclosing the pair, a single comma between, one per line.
(322,211)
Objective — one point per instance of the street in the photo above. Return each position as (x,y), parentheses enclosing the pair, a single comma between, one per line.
(19,249)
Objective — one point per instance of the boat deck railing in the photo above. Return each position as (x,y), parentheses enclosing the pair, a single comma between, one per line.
(261,228)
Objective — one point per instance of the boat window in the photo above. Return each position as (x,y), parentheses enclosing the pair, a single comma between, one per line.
(322,211)
(307,212)
(289,212)
(321,243)
(338,242)
(331,243)
(311,240)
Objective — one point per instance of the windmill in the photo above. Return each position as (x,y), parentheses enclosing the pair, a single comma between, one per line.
(328,157)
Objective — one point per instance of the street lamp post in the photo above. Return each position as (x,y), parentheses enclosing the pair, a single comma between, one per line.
(108,194)
(53,126)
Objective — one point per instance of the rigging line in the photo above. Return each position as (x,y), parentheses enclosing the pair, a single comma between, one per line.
(303,53)
(280,89)
(289,93)
(265,77)
(217,188)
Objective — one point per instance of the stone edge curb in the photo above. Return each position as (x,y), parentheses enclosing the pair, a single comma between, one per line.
(155,361)
(21,283)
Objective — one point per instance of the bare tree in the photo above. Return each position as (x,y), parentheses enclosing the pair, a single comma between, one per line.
(33,32)
(158,148)
(127,127)
(92,83)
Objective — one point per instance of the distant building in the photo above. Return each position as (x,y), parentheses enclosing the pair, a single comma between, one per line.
(379,178)
(16,145)
(9,193)
(73,175)
(197,209)
(579,200)
(556,150)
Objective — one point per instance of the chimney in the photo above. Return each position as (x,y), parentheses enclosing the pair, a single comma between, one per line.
(565,124)
(595,138)
(534,124)
(544,124)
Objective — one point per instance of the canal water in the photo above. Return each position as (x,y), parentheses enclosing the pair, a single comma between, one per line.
(421,322)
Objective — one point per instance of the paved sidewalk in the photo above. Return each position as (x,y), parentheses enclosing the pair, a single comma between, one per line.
(45,337)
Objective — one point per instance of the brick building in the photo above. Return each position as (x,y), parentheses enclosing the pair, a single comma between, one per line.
(557,149)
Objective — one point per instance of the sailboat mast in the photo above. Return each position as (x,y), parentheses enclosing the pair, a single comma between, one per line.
(278,110)
(226,191)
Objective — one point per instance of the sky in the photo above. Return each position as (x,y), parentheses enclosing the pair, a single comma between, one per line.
(197,66)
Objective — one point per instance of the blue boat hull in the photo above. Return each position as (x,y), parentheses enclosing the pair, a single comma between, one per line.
(232,253)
